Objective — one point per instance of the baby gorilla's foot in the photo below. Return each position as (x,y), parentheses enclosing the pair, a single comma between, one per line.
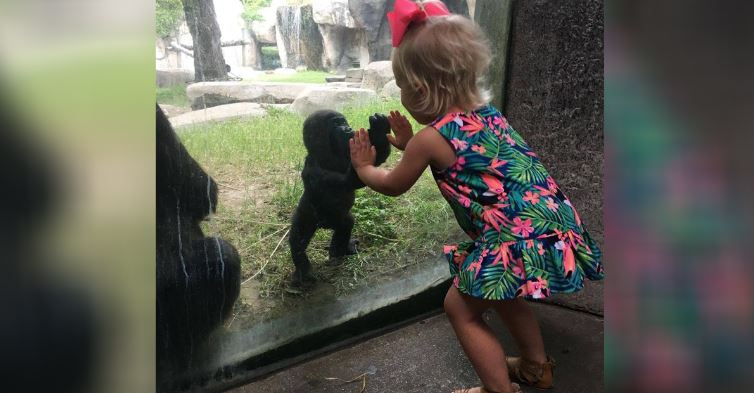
(337,258)
(302,279)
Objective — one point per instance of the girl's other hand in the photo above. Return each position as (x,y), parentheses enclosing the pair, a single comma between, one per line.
(401,128)
(362,152)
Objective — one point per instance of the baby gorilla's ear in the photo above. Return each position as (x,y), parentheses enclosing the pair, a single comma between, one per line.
(379,127)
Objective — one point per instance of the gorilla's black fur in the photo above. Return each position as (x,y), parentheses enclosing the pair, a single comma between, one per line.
(198,278)
(329,186)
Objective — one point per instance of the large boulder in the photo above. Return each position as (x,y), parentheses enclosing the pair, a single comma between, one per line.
(377,74)
(172,110)
(329,97)
(264,29)
(312,47)
(333,12)
(288,35)
(252,52)
(218,113)
(174,77)
(344,47)
(209,94)
(299,40)
(371,15)
(391,90)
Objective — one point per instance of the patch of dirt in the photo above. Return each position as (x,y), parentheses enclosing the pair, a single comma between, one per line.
(234,194)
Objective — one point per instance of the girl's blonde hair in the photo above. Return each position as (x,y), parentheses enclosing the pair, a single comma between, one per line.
(447,58)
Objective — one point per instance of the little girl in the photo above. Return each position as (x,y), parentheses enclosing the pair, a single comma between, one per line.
(526,238)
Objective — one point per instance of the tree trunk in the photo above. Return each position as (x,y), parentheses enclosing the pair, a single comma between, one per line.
(209,63)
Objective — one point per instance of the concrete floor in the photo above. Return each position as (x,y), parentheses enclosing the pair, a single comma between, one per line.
(425,357)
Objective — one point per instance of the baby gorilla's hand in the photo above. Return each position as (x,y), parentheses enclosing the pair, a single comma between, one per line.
(379,127)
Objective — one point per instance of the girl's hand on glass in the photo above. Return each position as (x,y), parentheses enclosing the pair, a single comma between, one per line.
(401,128)
(362,152)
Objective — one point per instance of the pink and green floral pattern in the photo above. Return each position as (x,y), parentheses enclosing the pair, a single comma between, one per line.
(526,237)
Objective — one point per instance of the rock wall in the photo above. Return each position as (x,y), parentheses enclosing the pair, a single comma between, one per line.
(312,47)
(334,34)
(554,94)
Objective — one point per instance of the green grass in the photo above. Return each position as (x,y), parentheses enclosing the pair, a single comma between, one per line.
(301,76)
(174,95)
(257,163)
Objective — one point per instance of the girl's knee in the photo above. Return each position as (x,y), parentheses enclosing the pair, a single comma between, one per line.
(456,308)
(452,304)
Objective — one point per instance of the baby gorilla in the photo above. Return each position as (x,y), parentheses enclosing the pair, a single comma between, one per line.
(329,186)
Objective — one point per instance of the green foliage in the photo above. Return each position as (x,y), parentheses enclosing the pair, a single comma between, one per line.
(251,9)
(168,15)
(372,215)
(173,95)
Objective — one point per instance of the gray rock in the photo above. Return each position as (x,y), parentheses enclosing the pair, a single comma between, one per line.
(264,29)
(174,77)
(343,47)
(288,36)
(276,106)
(355,73)
(218,114)
(372,16)
(333,12)
(252,53)
(559,96)
(330,97)
(312,47)
(172,110)
(391,90)
(335,78)
(377,74)
(209,94)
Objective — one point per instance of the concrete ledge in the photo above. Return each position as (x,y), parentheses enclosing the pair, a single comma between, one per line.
(268,346)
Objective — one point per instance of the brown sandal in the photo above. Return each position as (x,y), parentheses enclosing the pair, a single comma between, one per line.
(531,373)
(516,389)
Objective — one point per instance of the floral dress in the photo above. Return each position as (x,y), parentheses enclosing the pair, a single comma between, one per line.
(526,237)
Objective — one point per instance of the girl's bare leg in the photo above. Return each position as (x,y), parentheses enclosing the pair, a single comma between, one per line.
(523,326)
(477,339)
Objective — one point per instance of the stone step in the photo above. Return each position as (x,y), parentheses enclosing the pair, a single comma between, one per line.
(335,78)
(218,113)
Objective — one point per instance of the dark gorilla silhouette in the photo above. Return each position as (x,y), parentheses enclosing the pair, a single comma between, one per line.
(329,186)
(198,278)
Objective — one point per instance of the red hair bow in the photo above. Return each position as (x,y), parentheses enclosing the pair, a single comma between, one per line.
(405,11)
